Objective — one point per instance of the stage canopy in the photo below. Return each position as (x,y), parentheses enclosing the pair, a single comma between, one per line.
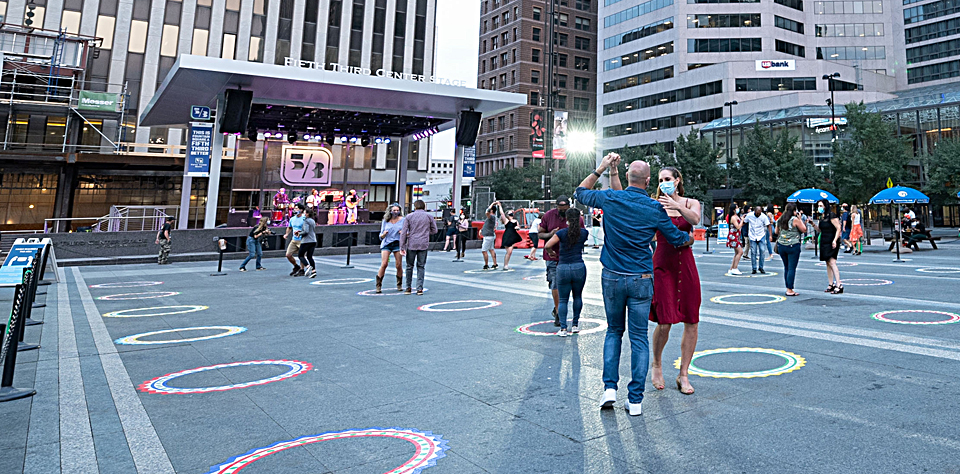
(311,98)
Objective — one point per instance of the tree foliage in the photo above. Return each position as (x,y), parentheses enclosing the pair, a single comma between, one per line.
(943,171)
(874,153)
(515,183)
(769,168)
(697,160)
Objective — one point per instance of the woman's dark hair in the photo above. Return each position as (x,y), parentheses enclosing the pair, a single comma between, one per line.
(731,211)
(827,209)
(769,208)
(573,226)
(312,214)
(677,177)
(788,213)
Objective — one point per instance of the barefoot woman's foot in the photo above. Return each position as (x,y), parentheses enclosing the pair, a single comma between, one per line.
(683,385)
(657,378)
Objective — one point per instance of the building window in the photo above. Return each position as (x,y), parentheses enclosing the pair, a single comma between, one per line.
(637,56)
(534,77)
(535,55)
(493,63)
(581,64)
(229,49)
(637,33)
(582,24)
(635,11)
(500,122)
(581,103)
(736,20)
(513,77)
(490,147)
(514,54)
(794,4)
(561,102)
(723,45)
(560,39)
(500,144)
(788,24)
(537,14)
(674,121)
(582,43)
(933,72)
(493,83)
(536,34)
(722,1)
(930,11)
(582,5)
(851,53)
(847,30)
(199,44)
(138,37)
(503,80)
(857,8)
(515,37)
(494,43)
(495,22)
(930,31)
(504,59)
(776,84)
(560,81)
(581,83)
(511,121)
(105,26)
(790,48)
(686,93)
(511,142)
(535,98)
(561,19)
(168,41)
(637,79)
(560,60)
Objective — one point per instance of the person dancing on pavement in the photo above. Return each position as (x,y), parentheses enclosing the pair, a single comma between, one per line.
(571,271)
(631,218)
(510,235)
(390,244)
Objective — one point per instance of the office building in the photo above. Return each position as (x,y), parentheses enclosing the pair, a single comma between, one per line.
(513,57)
(60,159)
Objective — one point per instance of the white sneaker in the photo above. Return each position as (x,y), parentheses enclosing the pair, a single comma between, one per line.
(563,333)
(575,329)
(609,398)
(634,409)
(735,271)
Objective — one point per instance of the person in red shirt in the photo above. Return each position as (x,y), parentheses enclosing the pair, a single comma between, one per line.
(552,221)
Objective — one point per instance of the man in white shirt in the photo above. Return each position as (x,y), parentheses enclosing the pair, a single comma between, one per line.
(759,226)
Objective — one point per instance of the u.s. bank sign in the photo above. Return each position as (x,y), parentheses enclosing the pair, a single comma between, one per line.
(776,65)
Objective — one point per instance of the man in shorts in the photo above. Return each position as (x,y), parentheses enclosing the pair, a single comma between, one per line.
(552,221)
(489,234)
(293,236)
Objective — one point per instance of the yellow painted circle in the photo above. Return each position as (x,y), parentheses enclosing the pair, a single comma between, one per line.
(791,362)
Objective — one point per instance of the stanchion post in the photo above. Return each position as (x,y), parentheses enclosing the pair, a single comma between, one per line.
(32,299)
(8,349)
(349,248)
(221,246)
(27,310)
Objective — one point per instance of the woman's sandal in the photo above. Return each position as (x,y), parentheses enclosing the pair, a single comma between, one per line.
(830,288)
(680,388)
(838,290)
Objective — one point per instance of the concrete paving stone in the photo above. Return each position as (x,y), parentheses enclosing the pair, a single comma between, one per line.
(11,459)
(41,458)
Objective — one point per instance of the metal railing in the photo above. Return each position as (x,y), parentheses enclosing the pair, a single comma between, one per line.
(121,217)
(102,224)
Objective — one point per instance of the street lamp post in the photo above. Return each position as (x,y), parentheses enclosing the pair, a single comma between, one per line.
(832,103)
(730,146)
(548,138)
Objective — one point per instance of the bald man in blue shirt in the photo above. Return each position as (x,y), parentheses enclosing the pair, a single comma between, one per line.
(631,219)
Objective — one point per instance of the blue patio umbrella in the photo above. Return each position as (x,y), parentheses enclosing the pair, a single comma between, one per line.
(812,196)
(900,195)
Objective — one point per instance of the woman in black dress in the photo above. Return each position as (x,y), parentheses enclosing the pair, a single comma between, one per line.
(510,235)
(829,245)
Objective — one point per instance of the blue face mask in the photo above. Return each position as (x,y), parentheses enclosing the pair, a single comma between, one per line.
(668,187)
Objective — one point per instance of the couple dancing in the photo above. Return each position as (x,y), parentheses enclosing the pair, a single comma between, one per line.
(631,220)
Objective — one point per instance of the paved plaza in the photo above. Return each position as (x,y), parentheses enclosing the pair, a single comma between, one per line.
(161,369)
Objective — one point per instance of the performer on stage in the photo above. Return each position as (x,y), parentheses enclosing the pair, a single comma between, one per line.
(280,204)
(352,202)
(313,200)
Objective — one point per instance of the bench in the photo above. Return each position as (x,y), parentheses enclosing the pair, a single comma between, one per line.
(933,242)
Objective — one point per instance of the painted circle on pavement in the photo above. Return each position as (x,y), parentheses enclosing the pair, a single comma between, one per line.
(128,313)
(866,282)
(159,384)
(939,270)
(127,284)
(484,304)
(750,275)
(536,278)
(525,329)
(882,316)
(139,296)
(791,362)
(492,270)
(773,299)
(342,281)
(839,264)
(385,292)
(136,339)
(429,448)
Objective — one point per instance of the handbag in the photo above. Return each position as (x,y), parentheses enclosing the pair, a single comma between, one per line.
(264,243)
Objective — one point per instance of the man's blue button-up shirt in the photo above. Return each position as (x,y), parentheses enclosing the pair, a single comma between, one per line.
(631,219)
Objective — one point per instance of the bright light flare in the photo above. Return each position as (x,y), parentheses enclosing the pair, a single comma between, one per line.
(581,142)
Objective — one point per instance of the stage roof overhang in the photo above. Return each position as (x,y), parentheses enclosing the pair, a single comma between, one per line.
(301,96)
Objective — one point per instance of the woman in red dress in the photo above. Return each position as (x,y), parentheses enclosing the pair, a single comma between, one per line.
(676,283)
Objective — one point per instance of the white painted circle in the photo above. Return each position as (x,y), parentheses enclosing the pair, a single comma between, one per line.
(773,299)
(342,281)
(126,312)
(525,329)
(491,270)
(484,305)
(951,317)
(866,282)
(139,296)
(748,275)
(385,292)
(127,284)
(536,278)
(939,270)
(839,264)
(136,338)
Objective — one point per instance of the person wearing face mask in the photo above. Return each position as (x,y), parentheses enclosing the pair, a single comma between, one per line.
(735,224)
(510,235)
(676,282)
(758,225)
(830,245)
(463,229)
(631,219)
(390,244)
(552,221)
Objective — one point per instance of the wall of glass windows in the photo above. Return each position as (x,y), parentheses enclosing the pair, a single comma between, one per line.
(928,52)
(932,30)
(847,30)
(661,98)
(635,11)
(848,8)
(673,121)
(637,56)
(735,20)
(776,84)
(638,79)
(637,33)
(851,53)
(723,45)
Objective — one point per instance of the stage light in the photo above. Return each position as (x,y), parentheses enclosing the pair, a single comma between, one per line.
(307,137)
(292,138)
(387,140)
(344,139)
(365,141)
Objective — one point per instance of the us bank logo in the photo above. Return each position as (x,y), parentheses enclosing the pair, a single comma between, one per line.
(778,65)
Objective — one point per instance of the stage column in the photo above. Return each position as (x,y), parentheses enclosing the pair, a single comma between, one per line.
(457,190)
(216,157)
(400,189)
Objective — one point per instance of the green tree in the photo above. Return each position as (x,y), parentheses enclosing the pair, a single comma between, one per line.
(769,168)
(516,183)
(697,160)
(874,153)
(943,171)
(570,172)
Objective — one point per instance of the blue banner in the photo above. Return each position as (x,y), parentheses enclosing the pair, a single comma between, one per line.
(470,162)
(199,149)
(21,256)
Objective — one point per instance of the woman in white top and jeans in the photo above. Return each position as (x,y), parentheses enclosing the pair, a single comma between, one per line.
(390,243)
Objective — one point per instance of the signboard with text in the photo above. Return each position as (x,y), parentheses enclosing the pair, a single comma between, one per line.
(199,149)
(776,65)
(100,101)
(199,112)
(470,162)
(306,166)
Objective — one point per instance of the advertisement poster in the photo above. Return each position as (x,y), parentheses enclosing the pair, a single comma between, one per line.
(102,101)
(199,149)
(538,124)
(560,135)
(306,166)
(470,162)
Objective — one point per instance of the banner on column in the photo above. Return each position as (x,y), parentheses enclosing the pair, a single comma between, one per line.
(470,162)
(199,149)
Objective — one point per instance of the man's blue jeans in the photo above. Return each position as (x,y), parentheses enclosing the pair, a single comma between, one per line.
(571,278)
(255,250)
(756,253)
(626,300)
